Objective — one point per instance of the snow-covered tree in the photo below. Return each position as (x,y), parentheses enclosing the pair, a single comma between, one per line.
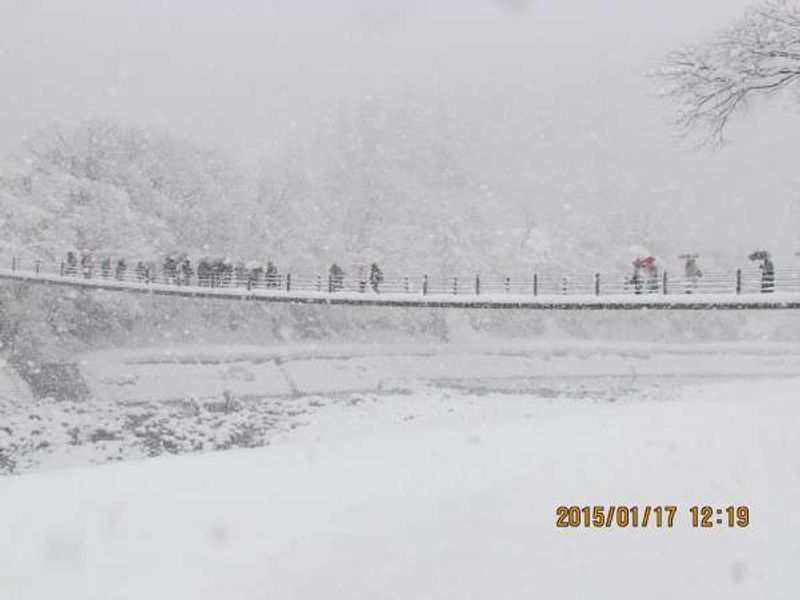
(758,56)
(101,187)
(383,182)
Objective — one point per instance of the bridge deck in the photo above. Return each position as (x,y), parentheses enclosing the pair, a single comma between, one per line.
(655,301)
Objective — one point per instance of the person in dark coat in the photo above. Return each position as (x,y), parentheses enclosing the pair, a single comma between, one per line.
(767,276)
(255,275)
(636,277)
(142,272)
(204,272)
(767,270)
(72,263)
(271,275)
(105,267)
(375,277)
(336,278)
(86,265)
(692,272)
(170,270)
(186,272)
(120,269)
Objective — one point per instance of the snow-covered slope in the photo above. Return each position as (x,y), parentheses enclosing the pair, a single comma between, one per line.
(452,499)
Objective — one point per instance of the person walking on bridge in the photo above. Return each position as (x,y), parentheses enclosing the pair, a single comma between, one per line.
(335,278)
(271,275)
(767,276)
(120,269)
(645,270)
(72,263)
(186,272)
(87,263)
(767,270)
(692,272)
(375,277)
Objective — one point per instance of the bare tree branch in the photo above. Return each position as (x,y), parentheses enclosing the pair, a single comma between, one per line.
(758,56)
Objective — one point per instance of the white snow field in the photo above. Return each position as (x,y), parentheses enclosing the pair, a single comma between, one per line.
(177,399)
(434,495)
(172,373)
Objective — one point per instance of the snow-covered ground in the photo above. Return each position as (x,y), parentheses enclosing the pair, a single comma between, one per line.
(151,401)
(448,495)
(296,369)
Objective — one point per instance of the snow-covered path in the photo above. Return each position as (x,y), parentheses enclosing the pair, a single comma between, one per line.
(459,506)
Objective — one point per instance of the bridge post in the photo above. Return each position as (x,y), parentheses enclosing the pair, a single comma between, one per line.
(38,265)
(330,284)
(477,285)
(738,281)
(455,286)
(13,263)
(288,282)
(664,283)
(62,269)
(564,286)
(405,279)
(535,284)
(597,284)
(424,285)
(508,284)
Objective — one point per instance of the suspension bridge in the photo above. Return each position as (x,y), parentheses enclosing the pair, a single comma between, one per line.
(737,290)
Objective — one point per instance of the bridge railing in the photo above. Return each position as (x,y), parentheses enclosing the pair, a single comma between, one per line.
(544,283)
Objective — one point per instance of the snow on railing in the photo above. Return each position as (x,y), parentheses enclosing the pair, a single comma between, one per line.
(540,289)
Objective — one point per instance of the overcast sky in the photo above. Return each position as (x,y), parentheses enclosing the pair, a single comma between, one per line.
(247,73)
(244,71)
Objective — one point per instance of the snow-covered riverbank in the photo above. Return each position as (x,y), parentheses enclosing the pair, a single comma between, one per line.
(154,401)
(433,497)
